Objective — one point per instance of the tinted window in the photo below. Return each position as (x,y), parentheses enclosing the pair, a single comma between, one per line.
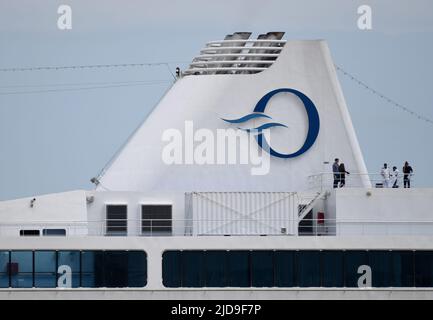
(88,264)
(116,220)
(72,260)
(29,233)
(423,269)
(352,261)
(291,269)
(50,269)
(114,266)
(54,232)
(4,265)
(171,269)
(45,269)
(332,269)
(308,268)
(156,219)
(215,264)
(380,263)
(284,268)
(238,269)
(402,268)
(22,266)
(137,269)
(192,269)
(262,268)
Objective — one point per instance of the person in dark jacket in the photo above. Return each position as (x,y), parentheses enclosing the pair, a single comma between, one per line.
(342,171)
(407,173)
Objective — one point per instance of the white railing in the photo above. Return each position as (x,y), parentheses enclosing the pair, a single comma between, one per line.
(326,180)
(252,41)
(234,227)
(239,56)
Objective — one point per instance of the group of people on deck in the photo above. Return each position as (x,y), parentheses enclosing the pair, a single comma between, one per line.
(390,179)
(339,171)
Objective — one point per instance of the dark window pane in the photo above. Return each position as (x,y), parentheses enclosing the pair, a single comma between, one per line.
(284,268)
(29,233)
(423,269)
(72,260)
(137,269)
(215,265)
(192,269)
(238,271)
(23,260)
(91,271)
(4,264)
(262,268)
(45,269)
(54,232)
(156,219)
(332,269)
(380,264)
(116,220)
(352,261)
(308,268)
(402,269)
(115,269)
(171,269)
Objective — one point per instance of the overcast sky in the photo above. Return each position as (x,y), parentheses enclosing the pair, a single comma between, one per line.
(57,140)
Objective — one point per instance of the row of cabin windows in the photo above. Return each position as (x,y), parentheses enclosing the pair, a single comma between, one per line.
(155,219)
(87,269)
(216,268)
(296,268)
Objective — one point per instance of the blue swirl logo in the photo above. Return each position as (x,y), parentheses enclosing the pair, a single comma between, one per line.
(259,109)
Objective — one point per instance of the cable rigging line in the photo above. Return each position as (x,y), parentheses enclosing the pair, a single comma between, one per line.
(84,88)
(90,66)
(384,97)
(67,84)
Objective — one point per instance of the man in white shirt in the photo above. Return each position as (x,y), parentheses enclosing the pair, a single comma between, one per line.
(385,175)
(394,177)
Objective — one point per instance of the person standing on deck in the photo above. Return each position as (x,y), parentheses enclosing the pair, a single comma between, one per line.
(385,175)
(407,173)
(394,177)
(343,172)
(336,172)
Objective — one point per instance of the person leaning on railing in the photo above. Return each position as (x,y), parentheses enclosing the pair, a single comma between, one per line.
(342,173)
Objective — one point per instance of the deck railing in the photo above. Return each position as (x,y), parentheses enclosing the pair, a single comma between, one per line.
(326,180)
(234,227)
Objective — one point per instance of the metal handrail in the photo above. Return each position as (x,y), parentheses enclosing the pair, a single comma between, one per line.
(325,180)
(207,220)
(238,227)
(247,41)
(233,62)
(205,70)
(210,49)
(239,55)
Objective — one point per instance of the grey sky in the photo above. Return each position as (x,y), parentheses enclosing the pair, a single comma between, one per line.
(57,141)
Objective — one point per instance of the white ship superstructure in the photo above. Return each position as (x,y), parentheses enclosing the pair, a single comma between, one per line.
(205,224)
